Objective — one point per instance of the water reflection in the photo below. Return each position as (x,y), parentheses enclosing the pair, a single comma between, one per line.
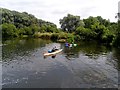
(91,49)
(53,56)
(21,47)
(86,65)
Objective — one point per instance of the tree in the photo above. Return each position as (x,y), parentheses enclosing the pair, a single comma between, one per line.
(85,33)
(90,21)
(70,23)
(23,24)
(116,41)
(99,30)
(9,30)
(102,21)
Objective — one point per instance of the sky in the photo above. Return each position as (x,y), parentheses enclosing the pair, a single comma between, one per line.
(53,10)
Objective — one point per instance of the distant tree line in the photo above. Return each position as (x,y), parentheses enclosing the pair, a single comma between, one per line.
(92,28)
(16,24)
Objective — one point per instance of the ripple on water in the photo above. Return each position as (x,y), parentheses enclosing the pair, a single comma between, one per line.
(83,66)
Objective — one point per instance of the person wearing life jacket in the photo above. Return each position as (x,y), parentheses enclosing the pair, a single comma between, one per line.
(54,49)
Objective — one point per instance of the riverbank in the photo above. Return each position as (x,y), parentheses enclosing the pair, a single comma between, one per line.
(60,37)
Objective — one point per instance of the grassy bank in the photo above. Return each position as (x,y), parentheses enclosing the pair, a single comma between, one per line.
(62,36)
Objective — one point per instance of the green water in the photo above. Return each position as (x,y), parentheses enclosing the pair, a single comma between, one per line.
(89,65)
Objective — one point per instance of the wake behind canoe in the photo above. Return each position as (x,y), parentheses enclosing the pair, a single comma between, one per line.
(53,53)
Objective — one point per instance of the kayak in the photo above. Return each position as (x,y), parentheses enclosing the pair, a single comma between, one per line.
(52,53)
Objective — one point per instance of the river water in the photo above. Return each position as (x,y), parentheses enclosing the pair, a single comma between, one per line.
(88,65)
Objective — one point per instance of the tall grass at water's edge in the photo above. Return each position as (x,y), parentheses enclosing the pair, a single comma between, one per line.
(62,36)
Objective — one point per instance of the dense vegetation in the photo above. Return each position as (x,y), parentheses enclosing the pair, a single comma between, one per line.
(16,24)
(92,28)
(116,41)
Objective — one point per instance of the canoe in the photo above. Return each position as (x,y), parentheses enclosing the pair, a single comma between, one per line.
(52,53)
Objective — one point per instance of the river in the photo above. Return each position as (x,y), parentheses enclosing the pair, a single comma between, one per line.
(88,65)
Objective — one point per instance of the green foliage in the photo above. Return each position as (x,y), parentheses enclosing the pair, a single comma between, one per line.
(16,24)
(96,31)
(108,37)
(113,27)
(70,23)
(54,36)
(90,21)
(9,30)
(70,38)
(99,30)
(77,38)
(116,41)
(63,35)
(24,24)
(102,21)
(85,33)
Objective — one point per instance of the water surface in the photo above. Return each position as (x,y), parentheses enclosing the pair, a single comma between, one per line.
(89,65)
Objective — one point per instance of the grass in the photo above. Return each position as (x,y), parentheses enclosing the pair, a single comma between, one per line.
(56,36)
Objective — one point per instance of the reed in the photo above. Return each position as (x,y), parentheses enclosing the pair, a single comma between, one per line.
(53,36)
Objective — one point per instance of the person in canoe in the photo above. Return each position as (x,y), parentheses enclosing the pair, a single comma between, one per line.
(54,49)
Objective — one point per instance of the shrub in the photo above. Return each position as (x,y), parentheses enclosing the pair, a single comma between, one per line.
(54,36)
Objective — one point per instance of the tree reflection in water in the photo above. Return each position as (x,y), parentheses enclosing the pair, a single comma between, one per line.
(92,50)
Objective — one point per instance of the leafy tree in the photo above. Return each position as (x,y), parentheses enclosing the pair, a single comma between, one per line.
(102,21)
(116,41)
(9,30)
(93,28)
(99,30)
(70,23)
(113,27)
(27,31)
(24,23)
(85,33)
(90,21)
(34,28)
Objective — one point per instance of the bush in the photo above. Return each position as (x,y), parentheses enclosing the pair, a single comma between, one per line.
(9,30)
(85,33)
(77,38)
(63,35)
(116,41)
(54,36)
